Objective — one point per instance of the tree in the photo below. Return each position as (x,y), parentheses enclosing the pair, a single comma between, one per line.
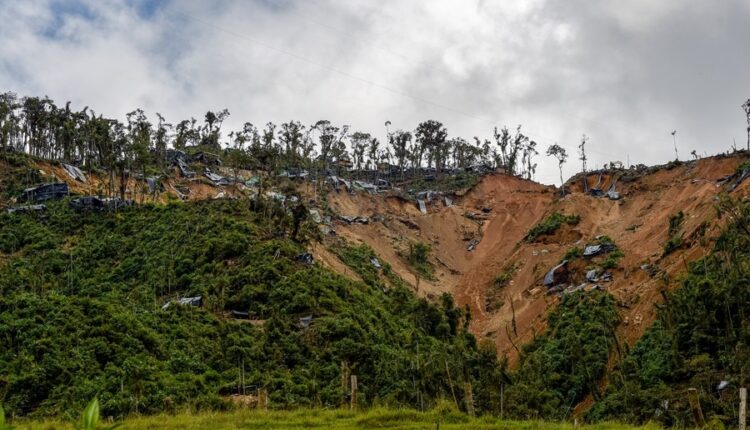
(399,141)
(360,142)
(431,137)
(212,128)
(561,155)
(746,108)
(582,148)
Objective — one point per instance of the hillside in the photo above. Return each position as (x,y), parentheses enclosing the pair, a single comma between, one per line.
(202,239)
(202,304)
(508,207)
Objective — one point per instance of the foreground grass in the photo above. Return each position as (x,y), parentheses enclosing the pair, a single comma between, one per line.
(403,419)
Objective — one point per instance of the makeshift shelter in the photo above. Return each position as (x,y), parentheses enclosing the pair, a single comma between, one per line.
(44,192)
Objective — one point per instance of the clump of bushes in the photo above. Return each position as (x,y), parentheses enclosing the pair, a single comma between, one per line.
(551,224)
(560,367)
(419,258)
(674,235)
(494,298)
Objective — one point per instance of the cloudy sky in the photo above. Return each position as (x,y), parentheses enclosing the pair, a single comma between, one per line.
(625,73)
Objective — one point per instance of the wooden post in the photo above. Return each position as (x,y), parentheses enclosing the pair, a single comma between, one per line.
(695,405)
(502,399)
(353,404)
(469,398)
(743,405)
(263,399)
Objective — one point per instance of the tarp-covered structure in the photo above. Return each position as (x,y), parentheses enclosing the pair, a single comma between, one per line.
(44,192)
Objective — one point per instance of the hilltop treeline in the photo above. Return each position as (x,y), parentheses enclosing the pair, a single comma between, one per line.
(41,128)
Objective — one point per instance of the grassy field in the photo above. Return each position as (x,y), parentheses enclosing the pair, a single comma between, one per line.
(325,419)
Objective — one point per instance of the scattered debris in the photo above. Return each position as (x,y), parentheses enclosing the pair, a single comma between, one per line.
(27,208)
(651,269)
(207,158)
(476,216)
(448,202)
(173,155)
(74,172)
(572,289)
(154,184)
(556,275)
(592,275)
(723,385)
(294,174)
(366,186)
(594,250)
(612,193)
(305,258)
(383,185)
(99,204)
(335,181)
(315,215)
(734,180)
(422,206)
(375,263)
(185,169)
(473,243)
(305,322)
(349,219)
(240,314)
(196,301)
(44,192)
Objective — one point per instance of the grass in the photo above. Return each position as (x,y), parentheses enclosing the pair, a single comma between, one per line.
(380,418)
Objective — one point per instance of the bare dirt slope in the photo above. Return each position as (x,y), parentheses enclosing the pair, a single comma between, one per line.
(504,209)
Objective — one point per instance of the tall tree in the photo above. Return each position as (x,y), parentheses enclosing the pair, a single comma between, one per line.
(399,141)
(582,152)
(431,136)
(561,155)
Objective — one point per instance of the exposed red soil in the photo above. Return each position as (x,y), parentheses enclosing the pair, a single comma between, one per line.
(638,224)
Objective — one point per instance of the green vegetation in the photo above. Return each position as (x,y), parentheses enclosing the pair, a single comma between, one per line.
(551,224)
(337,419)
(82,297)
(700,338)
(360,259)
(573,253)
(495,300)
(559,368)
(419,258)
(674,240)
(612,259)
(90,418)
(446,183)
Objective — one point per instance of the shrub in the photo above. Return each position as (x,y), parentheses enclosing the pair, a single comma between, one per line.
(550,225)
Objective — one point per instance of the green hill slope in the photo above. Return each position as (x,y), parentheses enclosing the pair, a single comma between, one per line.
(82,297)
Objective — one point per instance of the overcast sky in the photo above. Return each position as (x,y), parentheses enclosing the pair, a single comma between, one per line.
(625,73)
